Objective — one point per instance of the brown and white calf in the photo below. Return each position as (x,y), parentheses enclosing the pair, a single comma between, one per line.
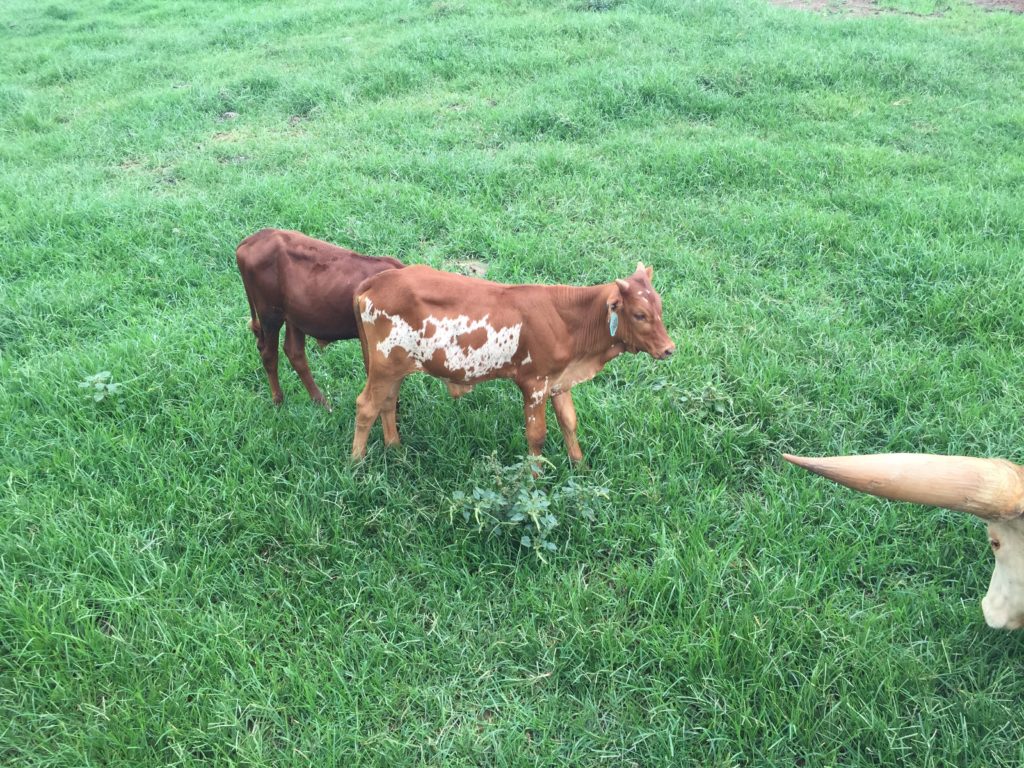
(992,489)
(546,338)
(306,285)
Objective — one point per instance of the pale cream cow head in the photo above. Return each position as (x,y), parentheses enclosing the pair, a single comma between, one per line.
(992,489)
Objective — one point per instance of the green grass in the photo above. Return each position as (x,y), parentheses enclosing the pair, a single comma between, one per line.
(834,209)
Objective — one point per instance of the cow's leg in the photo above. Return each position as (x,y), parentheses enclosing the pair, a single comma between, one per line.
(458,390)
(369,404)
(565,411)
(295,348)
(389,416)
(534,406)
(267,340)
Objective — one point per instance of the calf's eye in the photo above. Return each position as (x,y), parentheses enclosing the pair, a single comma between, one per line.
(994,543)
(639,316)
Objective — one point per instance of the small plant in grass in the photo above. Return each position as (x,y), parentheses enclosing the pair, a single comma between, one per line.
(525,507)
(708,401)
(99,385)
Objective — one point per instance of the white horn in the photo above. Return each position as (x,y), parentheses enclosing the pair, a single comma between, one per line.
(992,489)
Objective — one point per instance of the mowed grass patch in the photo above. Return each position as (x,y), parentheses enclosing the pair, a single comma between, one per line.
(832,206)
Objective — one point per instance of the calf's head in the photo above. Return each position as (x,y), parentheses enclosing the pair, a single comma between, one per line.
(992,489)
(634,315)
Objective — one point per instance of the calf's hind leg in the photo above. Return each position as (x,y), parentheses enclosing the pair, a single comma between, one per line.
(389,416)
(295,349)
(267,340)
(371,402)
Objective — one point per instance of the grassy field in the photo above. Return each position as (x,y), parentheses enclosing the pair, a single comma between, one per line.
(833,206)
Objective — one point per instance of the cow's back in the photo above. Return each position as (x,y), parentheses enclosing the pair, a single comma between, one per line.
(305,282)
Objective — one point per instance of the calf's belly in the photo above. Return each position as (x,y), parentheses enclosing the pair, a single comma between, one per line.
(333,326)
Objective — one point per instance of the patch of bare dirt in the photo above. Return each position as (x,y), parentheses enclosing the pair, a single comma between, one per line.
(871,8)
(468,267)
(1013,6)
(845,7)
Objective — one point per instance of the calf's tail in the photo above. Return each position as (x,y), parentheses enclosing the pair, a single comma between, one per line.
(254,320)
(357,311)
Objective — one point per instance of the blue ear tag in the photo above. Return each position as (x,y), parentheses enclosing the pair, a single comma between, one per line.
(613,323)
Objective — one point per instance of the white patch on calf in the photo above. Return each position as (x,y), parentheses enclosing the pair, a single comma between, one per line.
(496,351)
(368,315)
(539,394)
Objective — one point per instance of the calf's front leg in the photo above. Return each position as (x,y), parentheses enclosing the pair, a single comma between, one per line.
(565,411)
(534,404)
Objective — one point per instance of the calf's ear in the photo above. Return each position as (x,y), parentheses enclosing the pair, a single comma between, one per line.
(641,268)
(615,297)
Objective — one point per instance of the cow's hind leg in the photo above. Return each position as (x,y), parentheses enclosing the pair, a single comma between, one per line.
(369,405)
(295,348)
(267,340)
(565,411)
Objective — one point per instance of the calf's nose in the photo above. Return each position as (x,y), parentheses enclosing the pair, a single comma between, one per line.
(668,352)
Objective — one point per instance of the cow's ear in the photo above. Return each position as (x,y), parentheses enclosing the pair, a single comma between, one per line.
(650,273)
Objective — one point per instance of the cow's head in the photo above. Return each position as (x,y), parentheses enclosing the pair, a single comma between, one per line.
(992,489)
(634,315)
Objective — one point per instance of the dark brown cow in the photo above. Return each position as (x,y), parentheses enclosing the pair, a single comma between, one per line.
(546,338)
(307,285)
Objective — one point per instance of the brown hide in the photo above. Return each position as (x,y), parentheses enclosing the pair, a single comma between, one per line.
(306,285)
(465,330)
